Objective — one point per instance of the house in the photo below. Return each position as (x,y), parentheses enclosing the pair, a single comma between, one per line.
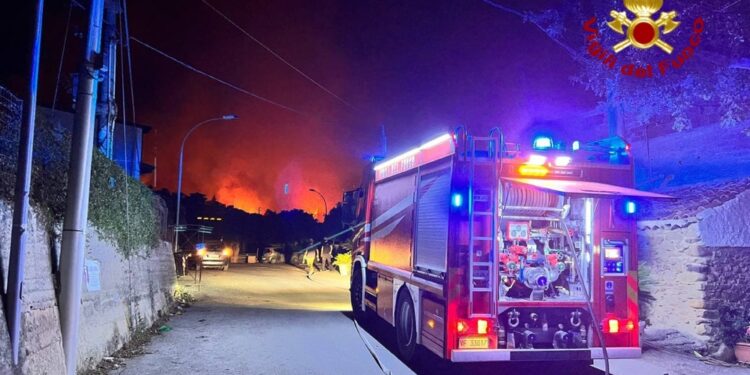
(127,143)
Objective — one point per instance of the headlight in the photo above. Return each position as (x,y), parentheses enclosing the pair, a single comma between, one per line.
(201,252)
(227,252)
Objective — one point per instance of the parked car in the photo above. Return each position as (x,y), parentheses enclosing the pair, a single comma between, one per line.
(272,256)
(215,257)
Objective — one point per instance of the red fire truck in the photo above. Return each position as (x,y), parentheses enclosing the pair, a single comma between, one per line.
(479,250)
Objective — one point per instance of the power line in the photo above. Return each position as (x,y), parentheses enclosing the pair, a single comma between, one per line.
(62,56)
(530,17)
(267,48)
(223,82)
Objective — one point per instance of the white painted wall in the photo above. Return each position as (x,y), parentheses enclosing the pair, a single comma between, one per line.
(727,225)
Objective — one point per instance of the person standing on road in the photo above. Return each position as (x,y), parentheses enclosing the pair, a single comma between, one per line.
(310,258)
(326,258)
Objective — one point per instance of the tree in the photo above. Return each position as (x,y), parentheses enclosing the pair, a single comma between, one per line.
(711,85)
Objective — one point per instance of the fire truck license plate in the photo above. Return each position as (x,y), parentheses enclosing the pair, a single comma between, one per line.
(473,342)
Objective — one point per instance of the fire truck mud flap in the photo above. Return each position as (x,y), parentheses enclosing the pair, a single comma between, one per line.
(501,355)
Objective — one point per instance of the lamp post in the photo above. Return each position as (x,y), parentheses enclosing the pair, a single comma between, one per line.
(325,204)
(179,171)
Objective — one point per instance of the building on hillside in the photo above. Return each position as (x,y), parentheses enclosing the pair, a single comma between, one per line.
(127,143)
(697,249)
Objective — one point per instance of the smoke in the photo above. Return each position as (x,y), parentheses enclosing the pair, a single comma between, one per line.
(394,72)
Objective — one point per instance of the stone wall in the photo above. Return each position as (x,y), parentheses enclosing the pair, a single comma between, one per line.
(133,293)
(725,233)
(41,341)
(698,249)
(727,288)
(671,249)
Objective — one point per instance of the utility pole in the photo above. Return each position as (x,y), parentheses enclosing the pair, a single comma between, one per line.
(156,153)
(14,297)
(72,253)
(106,110)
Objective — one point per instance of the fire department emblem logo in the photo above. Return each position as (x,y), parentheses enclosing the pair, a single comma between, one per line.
(643,31)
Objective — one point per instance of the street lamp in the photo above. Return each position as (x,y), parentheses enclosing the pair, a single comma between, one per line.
(325,204)
(179,172)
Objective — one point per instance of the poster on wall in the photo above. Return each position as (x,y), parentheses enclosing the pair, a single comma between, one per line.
(92,273)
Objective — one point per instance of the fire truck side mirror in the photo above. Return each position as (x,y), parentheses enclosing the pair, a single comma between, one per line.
(349,206)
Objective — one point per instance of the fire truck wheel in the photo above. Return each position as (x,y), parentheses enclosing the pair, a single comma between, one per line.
(356,294)
(406,328)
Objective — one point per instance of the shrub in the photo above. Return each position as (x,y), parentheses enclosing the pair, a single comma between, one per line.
(121,208)
(733,325)
(645,296)
(344,259)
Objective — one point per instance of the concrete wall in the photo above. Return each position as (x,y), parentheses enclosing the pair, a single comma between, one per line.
(133,293)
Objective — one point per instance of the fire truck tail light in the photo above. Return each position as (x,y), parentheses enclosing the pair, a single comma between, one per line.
(562,161)
(482,326)
(618,326)
(533,170)
(461,326)
(613,326)
(629,326)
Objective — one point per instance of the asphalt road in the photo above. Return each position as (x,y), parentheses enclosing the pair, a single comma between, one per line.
(271,319)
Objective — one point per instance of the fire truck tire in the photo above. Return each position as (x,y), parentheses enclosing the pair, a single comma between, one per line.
(406,328)
(357,295)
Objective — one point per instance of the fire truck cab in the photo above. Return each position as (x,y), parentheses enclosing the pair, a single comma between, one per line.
(478,250)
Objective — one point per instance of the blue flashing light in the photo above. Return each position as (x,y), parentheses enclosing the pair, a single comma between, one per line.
(542,143)
(630,207)
(457,200)
(576,145)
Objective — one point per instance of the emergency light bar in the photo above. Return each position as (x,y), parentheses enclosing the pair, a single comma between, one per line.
(430,151)
(543,143)
(413,151)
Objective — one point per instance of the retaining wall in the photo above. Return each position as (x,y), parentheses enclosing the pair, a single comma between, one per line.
(131,293)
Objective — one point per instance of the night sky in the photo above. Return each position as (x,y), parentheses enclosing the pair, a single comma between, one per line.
(420,68)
